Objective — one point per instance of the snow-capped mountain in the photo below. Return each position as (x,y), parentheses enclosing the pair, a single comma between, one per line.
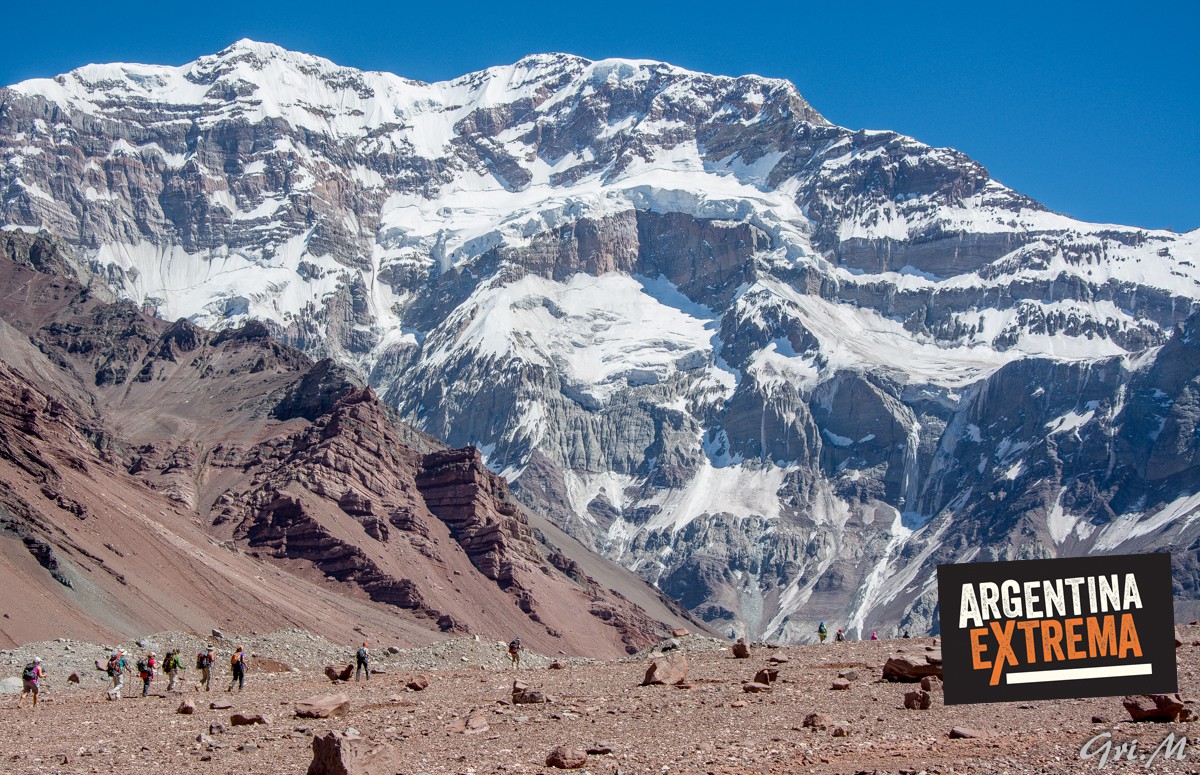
(779,367)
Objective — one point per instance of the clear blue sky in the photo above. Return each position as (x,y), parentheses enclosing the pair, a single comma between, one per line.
(1093,110)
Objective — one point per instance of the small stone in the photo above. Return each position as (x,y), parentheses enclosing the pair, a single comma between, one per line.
(917,699)
(1154,707)
(753,687)
(566,758)
(1099,720)
(931,683)
(73,678)
(678,632)
(768,675)
(216,728)
(849,675)
(186,708)
(245,720)
(840,730)
(738,704)
(218,635)
(556,665)
(323,706)
(600,749)
(817,721)
(840,684)
(964,733)
(220,705)
(779,660)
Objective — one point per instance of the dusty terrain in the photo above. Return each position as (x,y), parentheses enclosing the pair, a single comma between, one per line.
(658,729)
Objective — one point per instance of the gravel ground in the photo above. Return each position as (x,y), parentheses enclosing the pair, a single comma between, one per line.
(711,727)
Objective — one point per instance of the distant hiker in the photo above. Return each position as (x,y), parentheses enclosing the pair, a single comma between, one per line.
(237,665)
(204,663)
(117,665)
(31,678)
(822,631)
(360,662)
(173,665)
(145,668)
(905,635)
(840,637)
(874,635)
(514,651)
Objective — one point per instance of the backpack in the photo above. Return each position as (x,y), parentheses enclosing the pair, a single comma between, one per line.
(202,660)
(142,667)
(515,646)
(822,629)
(362,655)
(114,666)
(30,672)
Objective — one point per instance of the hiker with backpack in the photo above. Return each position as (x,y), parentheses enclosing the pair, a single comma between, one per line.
(204,663)
(145,668)
(237,665)
(31,678)
(822,631)
(173,666)
(360,662)
(841,636)
(117,665)
(514,651)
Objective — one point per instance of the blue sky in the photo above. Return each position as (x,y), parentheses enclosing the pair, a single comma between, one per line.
(1092,110)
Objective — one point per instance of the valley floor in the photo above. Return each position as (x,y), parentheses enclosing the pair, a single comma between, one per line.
(711,727)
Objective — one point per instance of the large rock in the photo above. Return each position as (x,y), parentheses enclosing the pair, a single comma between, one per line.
(741,650)
(565,758)
(323,706)
(474,723)
(753,687)
(817,721)
(247,719)
(908,669)
(523,695)
(917,699)
(1154,707)
(417,682)
(964,733)
(666,670)
(339,674)
(187,708)
(768,675)
(337,754)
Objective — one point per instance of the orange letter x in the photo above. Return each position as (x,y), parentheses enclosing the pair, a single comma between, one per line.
(1004,650)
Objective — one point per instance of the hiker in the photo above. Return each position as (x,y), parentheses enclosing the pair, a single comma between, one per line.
(360,662)
(514,652)
(905,634)
(117,665)
(145,668)
(237,666)
(31,678)
(841,636)
(204,663)
(874,635)
(822,631)
(173,665)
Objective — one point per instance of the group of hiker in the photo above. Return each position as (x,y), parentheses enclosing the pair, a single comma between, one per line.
(823,632)
(148,666)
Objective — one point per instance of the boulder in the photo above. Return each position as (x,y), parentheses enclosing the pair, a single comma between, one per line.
(599,749)
(246,720)
(220,705)
(840,729)
(817,721)
(339,674)
(768,675)
(964,733)
(565,758)
(337,754)
(474,723)
(917,699)
(849,675)
(910,669)
(666,670)
(931,683)
(523,695)
(1154,707)
(218,635)
(840,684)
(753,687)
(187,708)
(1100,720)
(557,665)
(679,632)
(417,682)
(73,678)
(741,650)
(323,706)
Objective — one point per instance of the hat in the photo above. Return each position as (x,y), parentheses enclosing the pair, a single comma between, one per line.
(210,648)
(151,653)
(37,659)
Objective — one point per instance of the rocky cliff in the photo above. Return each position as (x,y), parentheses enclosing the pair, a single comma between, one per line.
(157,476)
(776,366)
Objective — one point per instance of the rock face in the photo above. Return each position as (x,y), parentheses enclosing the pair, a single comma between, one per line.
(666,670)
(123,437)
(338,754)
(783,381)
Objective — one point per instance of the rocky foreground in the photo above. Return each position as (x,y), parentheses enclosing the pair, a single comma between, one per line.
(468,719)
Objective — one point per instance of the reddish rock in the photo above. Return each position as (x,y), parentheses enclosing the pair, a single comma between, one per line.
(556,665)
(840,684)
(964,733)
(473,723)
(323,706)
(245,719)
(849,675)
(220,705)
(768,675)
(738,704)
(566,758)
(754,687)
(817,721)
(666,670)
(840,729)
(1154,707)
(187,708)
(679,632)
(917,699)
(417,683)
(338,754)
(339,674)
(781,660)
(931,683)
(910,669)
(741,650)
(73,678)
(599,749)
(523,695)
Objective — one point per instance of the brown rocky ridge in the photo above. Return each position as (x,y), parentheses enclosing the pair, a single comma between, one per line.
(155,475)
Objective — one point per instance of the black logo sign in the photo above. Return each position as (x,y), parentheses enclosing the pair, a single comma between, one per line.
(1054,629)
